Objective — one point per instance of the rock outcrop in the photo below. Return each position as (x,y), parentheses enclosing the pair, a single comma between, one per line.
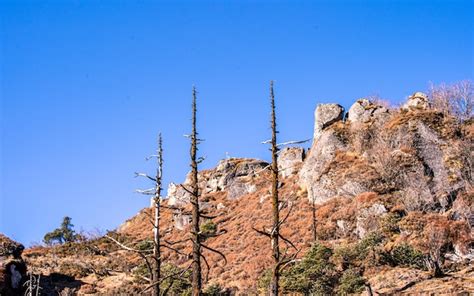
(290,160)
(233,175)
(382,152)
(324,116)
(363,110)
(417,101)
(12,267)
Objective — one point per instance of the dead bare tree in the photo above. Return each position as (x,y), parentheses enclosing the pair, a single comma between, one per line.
(155,271)
(152,258)
(275,200)
(197,273)
(280,261)
(156,274)
(197,237)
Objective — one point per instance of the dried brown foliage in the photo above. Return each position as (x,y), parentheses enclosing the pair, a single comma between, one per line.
(455,99)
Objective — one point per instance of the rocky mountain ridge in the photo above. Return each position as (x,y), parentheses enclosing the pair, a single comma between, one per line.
(404,174)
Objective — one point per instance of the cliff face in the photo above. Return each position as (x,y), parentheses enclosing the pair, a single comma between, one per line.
(417,154)
(403,174)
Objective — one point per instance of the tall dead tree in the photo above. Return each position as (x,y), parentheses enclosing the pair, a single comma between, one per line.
(156,274)
(275,199)
(152,257)
(280,260)
(196,235)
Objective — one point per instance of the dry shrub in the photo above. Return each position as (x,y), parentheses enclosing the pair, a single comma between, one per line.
(329,213)
(379,101)
(367,198)
(444,125)
(413,223)
(434,235)
(342,130)
(349,165)
(455,99)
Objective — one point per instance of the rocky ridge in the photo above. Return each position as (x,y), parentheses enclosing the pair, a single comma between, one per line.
(406,174)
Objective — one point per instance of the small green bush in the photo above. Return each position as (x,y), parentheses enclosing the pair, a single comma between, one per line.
(213,290)
(361,253)
(406,255)
(208,228)
(314,274)
(145,245)
(180,285)
(351,282)
(389,224)
(263,283)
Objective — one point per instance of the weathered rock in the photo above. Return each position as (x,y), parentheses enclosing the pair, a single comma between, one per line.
(312,175)
(177,195)
(230,175)
(417,101)
(367,219)
(10,248)
(364,111)
(239,188)
(325,115)
(290,160)
(12,267)
(181,220)
(397,279)
(425,179)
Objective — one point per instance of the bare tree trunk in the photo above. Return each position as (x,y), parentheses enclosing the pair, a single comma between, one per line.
(156,276)
(197,275)
(275,202)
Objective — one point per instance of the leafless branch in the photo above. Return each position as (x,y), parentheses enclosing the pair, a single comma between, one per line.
(150,191)
(215,251)
(262,232)
(144,175)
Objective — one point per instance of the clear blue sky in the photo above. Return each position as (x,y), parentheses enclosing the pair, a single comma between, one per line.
(87,85)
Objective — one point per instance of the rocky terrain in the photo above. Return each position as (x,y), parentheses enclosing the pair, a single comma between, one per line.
(390,191)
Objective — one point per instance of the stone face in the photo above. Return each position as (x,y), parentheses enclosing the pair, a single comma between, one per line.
(417,101)
(290,160)
(364,111)
(325,115)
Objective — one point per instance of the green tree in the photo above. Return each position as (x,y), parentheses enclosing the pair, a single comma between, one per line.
(64,234)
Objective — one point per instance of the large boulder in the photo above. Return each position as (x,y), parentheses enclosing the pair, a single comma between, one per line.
(417,101)
(313,176)
(12,267)
(290,160)
(364,111)
(325,115)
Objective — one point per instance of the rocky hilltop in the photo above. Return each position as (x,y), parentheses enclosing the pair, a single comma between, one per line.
(389,190)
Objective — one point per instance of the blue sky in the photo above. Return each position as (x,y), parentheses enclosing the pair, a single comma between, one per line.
(87,85)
